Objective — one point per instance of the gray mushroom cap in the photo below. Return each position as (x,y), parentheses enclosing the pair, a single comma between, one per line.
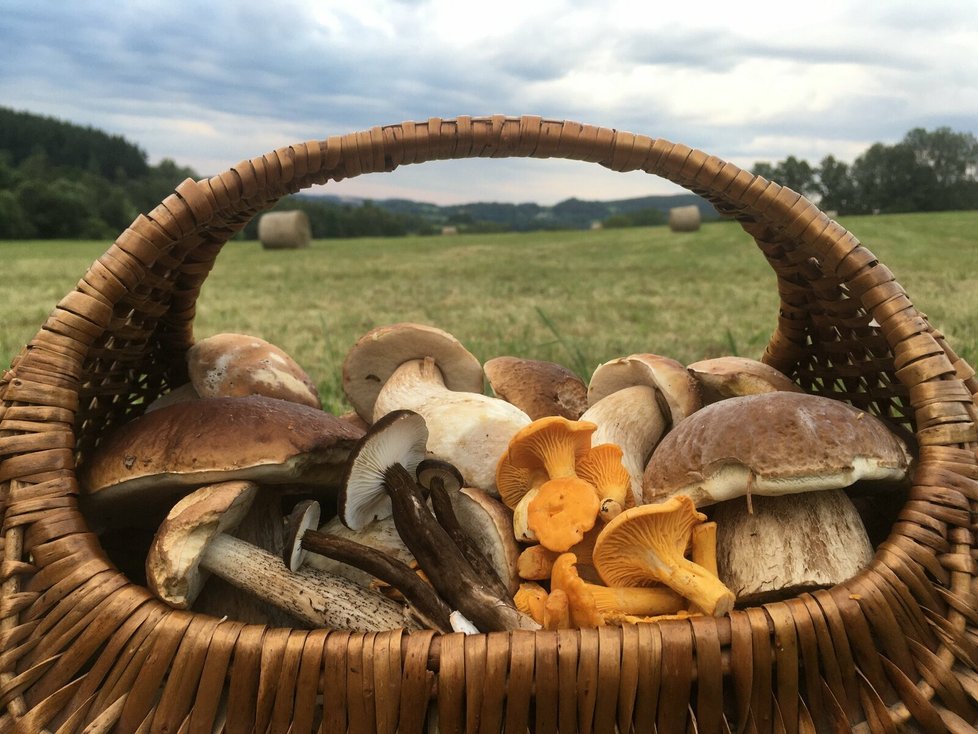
(399,437)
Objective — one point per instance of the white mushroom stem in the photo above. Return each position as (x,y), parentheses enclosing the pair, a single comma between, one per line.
(469,430)
(314,597)
(772,552)
(631,419)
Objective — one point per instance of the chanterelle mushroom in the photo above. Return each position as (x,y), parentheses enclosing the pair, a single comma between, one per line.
(646,545)
(790,454)
(411,367)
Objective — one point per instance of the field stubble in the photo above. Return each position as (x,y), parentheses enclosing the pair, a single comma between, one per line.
(577,298)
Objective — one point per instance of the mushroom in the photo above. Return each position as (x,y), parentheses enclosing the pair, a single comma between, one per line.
(194,540)
(139,470)
(531,599)
(562,511)
(536,387)
(399,438)
(236,365)
(677,390)
(377,467)
(413,367)
(646,545)
(631,419)
(380,535)
(603,467)
(592,605)
(731,377)
(792,448)
(484,529)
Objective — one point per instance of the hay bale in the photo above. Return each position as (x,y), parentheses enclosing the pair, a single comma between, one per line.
(284,230)
(684,218)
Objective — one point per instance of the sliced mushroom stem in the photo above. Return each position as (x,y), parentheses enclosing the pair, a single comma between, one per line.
(441,503)
(314,597)
(429,606)
(451,575)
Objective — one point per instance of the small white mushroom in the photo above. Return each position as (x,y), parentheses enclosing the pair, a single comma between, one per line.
(194,540)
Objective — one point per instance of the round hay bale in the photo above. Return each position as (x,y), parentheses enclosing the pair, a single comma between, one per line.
(684,218)
(284,230)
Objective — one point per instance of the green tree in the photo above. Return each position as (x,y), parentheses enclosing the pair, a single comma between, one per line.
(890,179)
(834,186)
(796,174)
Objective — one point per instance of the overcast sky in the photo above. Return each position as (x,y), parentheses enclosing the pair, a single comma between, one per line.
(208,84)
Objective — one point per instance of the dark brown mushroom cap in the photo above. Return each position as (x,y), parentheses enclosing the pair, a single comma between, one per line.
(537,387)
(154,459)
(772,444)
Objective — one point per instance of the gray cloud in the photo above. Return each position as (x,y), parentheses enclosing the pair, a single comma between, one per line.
(208,85)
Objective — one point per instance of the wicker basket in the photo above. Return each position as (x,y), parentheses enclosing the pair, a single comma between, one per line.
(894,649)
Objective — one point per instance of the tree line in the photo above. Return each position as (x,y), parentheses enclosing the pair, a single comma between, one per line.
(933,170)
(59,180)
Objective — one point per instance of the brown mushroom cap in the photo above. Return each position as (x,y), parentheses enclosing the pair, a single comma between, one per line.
(152,460)
(173,570)
(536,387)
(729,377)
(375,356)
(772,444)
(235,365)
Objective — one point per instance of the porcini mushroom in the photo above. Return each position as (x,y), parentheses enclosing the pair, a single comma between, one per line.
(646,545)
(143,467)
(236,365)
(730,377)
(537,387)
(631,419)
(797,450)
(412,367)
(678,391)
(194,540)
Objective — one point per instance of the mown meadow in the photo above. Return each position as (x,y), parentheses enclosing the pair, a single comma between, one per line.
(574,297)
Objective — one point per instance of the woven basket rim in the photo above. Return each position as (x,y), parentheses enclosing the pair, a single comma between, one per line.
(902,623)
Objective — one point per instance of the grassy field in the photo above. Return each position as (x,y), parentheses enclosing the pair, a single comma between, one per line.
(578,298)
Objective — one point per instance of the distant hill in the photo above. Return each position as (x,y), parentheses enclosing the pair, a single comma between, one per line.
(568,214)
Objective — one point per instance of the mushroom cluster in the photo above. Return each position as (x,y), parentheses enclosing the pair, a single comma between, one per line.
(656,490)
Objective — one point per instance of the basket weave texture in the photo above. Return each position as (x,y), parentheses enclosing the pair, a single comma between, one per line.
(896,648)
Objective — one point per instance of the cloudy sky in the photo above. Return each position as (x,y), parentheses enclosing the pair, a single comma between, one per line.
(208,84)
